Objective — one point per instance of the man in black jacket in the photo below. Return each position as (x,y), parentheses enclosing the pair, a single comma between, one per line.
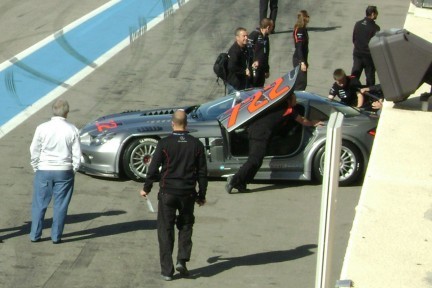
(238,62)
(183,167)
(260,44)
(364,30)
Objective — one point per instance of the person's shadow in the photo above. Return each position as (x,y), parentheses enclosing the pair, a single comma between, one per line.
(109,230)
(70,219)
(220,264)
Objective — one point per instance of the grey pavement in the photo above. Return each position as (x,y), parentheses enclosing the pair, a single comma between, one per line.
(263,239)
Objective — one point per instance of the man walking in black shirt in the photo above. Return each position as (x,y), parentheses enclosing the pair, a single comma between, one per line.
(364,30)
(183,163)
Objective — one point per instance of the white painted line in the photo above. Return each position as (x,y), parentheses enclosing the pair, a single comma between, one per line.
(29,111)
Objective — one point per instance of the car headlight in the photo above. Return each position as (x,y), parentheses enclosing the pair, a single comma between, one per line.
(99,139)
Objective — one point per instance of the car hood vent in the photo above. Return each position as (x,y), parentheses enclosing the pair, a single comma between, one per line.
(151,112)
(158,112)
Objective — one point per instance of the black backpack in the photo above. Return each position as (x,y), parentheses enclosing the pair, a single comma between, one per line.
(220,66)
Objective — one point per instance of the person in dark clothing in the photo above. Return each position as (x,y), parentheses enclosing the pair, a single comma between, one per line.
(263,11)
(347,88)
(301,43)
(364,30)
(238,63)
(259,135)
(260,45)
(374,95)
(184,165)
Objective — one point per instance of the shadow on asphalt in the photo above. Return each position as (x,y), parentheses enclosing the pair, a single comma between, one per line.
(110,230)
(112,179)
(311,29)
(219,264)
(70,219)
(271,185)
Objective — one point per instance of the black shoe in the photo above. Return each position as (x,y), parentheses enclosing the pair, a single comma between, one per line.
(36,240)
(181,268)
(166,278)
(57,242)
(228,185)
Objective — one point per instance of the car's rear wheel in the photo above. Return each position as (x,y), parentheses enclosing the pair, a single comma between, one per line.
(351,164)
(137,158)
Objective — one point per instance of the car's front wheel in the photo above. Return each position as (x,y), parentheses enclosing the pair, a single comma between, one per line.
(137,158)
(351,164)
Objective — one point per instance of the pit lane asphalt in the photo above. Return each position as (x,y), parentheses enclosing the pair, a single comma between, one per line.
(260,239)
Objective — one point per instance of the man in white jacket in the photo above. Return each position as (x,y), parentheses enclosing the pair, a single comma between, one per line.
(55,157)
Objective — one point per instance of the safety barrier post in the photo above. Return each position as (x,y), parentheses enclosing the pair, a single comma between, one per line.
(328,200)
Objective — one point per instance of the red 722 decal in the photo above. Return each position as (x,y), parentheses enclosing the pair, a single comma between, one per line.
(259,100)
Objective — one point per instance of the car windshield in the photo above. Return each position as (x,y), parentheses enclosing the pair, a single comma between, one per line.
(326,106)
(212,109)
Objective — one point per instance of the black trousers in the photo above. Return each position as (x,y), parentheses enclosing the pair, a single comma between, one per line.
(364,62)
(259,134)
(247,172)
(167,209)
(301,81)
(263,8)
(258,141)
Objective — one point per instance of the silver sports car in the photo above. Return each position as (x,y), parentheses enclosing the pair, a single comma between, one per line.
(121,145)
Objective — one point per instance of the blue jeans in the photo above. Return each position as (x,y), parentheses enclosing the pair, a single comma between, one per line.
(46,185)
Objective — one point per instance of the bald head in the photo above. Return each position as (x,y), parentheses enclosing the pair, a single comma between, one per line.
(179,120)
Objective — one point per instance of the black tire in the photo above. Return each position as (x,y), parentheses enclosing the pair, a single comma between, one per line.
(137,157)
(351,164)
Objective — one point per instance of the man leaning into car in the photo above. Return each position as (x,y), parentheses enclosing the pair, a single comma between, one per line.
(259,135)
(183,167)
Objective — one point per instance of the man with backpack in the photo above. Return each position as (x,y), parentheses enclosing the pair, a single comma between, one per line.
(260,45)
(239,73)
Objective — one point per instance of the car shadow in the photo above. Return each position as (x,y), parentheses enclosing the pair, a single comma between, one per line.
(219,264)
